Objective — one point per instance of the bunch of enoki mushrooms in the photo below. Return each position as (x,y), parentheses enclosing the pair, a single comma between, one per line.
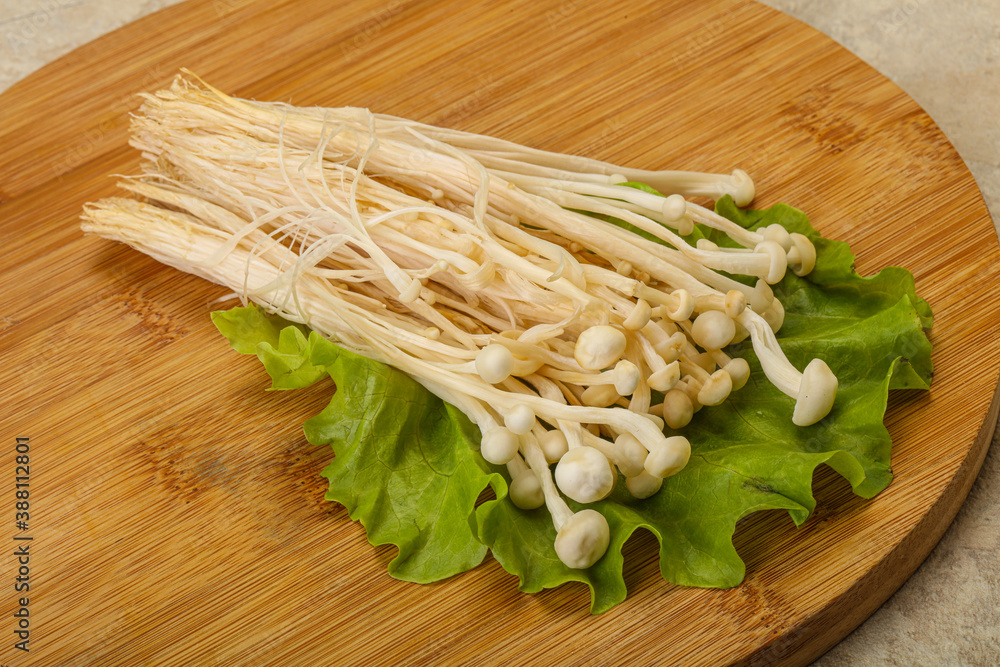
(486,271)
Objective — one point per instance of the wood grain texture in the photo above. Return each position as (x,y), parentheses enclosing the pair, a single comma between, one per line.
(177,512)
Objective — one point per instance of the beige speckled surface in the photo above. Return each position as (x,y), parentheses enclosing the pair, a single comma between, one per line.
(946,55)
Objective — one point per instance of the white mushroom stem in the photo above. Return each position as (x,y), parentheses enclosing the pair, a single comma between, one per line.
(498,445)
(785,377)
(535,459)
(505,155)
(556,442)
(738,185)
(655,418)
(573,434)
(672,210)
(713,220)
(639,398)
(625,377)
(531,351)
(768,260)
(814,390)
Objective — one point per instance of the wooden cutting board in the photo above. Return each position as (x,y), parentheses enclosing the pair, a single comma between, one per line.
(177,512)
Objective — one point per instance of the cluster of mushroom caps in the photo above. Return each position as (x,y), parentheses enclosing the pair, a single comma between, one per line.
(675,348)
(485,270)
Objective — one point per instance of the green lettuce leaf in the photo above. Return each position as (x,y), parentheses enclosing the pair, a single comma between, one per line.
(406,464)
(747,455)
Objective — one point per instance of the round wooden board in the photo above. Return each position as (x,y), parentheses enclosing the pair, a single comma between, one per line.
(177,514)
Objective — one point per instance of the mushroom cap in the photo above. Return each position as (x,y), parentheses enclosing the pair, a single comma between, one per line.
(691,386)
(412,291)
(627,377)
(630,455)
(639,317)
(671,347)
(674,208)
(802,257)
(716,389)
(742,333)
(684,305)
(735,302)
(739,372)
(585,475)
(553,444)
(817,391)
(713,330)
(599,395)
(583,539)
(665,379)
(643,485)
(745,190)
(668,457)
(677,409)
(774,315)
(519,419)
(494,363)
(777,233)
(778,257)
(499,445)
(599,347)
(761,296)
(526,491)
(656,419)
(704,360)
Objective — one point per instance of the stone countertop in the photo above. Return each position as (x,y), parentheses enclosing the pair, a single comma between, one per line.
(946,55)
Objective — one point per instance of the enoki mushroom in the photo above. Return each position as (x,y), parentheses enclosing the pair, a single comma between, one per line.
(475,266)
